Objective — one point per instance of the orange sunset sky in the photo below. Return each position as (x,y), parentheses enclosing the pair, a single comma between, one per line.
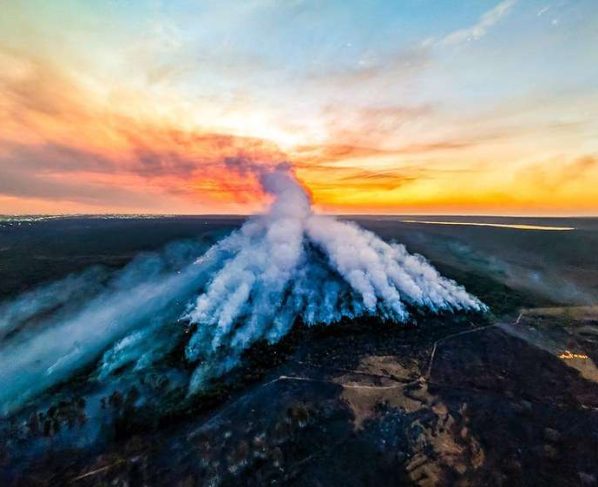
(390,107)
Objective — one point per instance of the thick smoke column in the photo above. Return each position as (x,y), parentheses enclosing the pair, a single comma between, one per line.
(291,263)
(285,265)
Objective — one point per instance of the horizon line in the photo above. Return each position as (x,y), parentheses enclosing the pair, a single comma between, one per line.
(205,215)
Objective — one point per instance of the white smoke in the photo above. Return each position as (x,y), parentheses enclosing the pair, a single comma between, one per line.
(286,265)
(291,263)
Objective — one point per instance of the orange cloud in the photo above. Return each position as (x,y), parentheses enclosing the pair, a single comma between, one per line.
(67,145)
(62,144)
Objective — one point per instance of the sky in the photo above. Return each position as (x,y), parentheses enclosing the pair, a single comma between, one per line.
(382,107)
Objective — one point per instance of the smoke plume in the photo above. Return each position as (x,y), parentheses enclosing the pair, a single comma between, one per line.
(286,265)
(291,263)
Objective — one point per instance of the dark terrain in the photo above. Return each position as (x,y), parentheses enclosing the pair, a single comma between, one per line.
(509,398)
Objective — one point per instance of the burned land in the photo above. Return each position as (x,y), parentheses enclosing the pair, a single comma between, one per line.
(505,397)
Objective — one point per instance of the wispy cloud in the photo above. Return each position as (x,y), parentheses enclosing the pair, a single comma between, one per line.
(479,29)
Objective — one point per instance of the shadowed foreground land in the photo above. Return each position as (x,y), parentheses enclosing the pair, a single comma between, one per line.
(375,405)
(505,399)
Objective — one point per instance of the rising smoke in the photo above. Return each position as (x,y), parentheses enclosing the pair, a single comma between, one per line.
(293,263)
(285,265)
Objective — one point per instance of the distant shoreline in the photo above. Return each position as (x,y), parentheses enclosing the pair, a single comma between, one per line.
(495,225)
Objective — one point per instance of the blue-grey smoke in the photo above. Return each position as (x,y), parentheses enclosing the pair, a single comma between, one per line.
(152,289)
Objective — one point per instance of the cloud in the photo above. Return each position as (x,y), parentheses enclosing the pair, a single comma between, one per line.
(401,65)
(311,155)
(72,134)
(51,158)
(62,143)
(307,155)
(192,168)
(373,123)
(381,180)
(560,174)
(32,84)
(32,185)
(479,29)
